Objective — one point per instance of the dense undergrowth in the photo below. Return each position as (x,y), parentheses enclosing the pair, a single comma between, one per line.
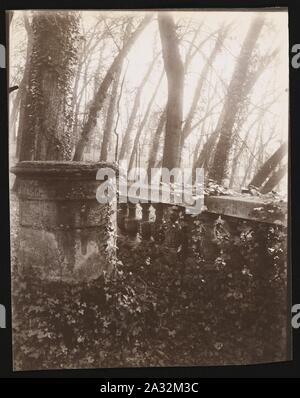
(163,306)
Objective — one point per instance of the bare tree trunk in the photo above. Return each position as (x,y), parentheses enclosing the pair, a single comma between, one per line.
(241,83)
(107,133)
(196,151)
(143,123)
(249,167)
(162,120)
(80,96)
(274,180)
(155,143)
(125,147)
(206,151)
(118,117)
(84,60)
(102,92)
(110,116)
(269,166)
(201,160)
(243,145)
(187,129)
(238,151)
(175,76)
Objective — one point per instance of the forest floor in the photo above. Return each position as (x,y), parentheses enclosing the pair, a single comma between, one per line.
(158,309)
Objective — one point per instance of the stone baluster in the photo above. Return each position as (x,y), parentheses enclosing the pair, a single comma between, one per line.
(121,216)
(131,222)
(159,213)
(158,231)
(145,226)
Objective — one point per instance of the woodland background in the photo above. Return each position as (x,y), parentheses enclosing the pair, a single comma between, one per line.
(104,78)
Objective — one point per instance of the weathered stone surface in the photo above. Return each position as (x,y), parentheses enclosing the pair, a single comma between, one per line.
(244,208)
(65,234)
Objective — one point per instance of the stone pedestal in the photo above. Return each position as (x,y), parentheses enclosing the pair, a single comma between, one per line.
(65,234)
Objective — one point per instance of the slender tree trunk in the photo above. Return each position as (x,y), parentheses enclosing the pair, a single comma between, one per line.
(110,116)
(143,123)
(155,143)
(84,60)
(118,118)
(274,180)
(175,75)
(241,83)
(103,89)
(125,147)
(198,144)
(205,153)
(107,134)
(187,128)
(190,54)
(243,145)
(81,95)
(162,120)
(269,166)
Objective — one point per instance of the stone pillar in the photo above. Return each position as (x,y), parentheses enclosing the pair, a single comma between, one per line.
(65,234)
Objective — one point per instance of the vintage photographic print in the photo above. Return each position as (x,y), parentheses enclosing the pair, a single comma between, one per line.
(149,188)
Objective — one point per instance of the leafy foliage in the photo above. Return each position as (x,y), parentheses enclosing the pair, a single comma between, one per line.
(222,300)
(52,62)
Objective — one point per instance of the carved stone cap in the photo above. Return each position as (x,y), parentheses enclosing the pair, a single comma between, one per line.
(60,169)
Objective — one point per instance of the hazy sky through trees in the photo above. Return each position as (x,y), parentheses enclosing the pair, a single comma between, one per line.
(270,91)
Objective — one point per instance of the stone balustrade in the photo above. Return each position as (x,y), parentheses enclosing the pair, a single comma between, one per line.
(134,218)
(66,235)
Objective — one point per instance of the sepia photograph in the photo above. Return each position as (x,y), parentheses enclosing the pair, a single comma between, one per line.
(148,173)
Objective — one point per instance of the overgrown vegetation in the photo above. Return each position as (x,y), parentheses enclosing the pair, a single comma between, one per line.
(52,62)
(221,301)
